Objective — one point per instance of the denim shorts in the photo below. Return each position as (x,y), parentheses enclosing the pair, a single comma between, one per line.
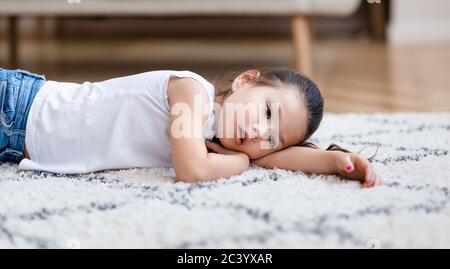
(17,91)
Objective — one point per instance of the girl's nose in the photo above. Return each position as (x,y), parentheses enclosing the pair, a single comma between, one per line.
(259,131)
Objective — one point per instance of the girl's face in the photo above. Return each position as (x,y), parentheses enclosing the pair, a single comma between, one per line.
(259,120)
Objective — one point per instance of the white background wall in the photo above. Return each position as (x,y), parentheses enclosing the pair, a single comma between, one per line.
(419,21)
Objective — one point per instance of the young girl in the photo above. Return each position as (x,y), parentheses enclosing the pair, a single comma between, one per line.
(167,117)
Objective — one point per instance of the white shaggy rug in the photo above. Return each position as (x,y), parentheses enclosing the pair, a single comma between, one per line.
(144,208)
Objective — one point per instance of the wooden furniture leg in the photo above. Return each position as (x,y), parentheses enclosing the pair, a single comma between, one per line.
(12,42)
(302,39)
(377,21)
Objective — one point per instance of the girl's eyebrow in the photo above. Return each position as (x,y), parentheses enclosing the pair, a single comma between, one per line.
(282,138)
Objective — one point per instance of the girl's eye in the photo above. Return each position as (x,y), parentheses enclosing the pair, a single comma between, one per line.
(268,112)
(272,141)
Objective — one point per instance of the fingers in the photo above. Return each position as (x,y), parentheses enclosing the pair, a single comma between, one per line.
(217,148)
(372,179)
(369,178)
(213,146)
(379,180)
(345,163)
(348,164)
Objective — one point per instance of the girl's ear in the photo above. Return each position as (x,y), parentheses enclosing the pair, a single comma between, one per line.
(245,79)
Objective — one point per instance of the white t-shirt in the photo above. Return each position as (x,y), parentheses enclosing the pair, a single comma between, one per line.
(113,124)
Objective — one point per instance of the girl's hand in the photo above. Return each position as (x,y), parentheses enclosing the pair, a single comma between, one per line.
(356,167)
(217,148)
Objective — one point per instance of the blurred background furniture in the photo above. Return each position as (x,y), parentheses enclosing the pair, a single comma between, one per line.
(416,21)
(387,55)
(299,12)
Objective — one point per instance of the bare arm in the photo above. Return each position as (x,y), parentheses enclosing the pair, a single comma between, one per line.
(191,160)
(348,165)
(301,158)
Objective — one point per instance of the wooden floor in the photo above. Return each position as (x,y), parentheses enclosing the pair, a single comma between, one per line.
(354,75)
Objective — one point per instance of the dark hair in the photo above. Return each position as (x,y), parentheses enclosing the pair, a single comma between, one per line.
(281,77)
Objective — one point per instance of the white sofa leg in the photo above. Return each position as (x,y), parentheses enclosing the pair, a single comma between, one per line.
(302,44)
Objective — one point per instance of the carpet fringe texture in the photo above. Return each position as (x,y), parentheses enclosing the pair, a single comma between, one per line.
(261,208)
